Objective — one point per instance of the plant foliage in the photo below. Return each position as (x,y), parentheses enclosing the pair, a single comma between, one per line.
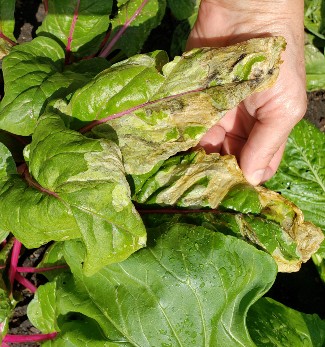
(151,243)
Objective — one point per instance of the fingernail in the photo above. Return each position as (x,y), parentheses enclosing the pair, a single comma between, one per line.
(257,177)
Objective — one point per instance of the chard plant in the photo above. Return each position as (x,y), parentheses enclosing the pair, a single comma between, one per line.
(149,242)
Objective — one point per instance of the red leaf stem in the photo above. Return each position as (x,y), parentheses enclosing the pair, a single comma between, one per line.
(6,38)
(46,6)
(2,267)
(25,282)
(41,269)
(128,111)
(13,262)
(105,52)
(177,211)
(29,338)
(72,28)
(23,170)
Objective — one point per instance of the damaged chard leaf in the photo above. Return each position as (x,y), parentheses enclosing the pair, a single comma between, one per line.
(197,180)
(173,110)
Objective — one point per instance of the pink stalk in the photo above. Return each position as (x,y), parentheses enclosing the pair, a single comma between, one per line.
(6,38)
(28,338)
(177,211)
(13,262)
(104,53)
(130,110)
(25,282)
(4,345)
(41,269)
(23,170)
(72,28)
(46,6)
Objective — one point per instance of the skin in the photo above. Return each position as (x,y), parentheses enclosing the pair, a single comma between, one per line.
(256,131)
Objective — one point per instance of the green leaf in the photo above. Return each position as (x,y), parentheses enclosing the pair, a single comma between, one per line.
(7,21)
(315,66)
(7,25)
(169,113)
(182,9)
(94,188)
(5,311)
(314,17)
(89,199)
(301,175)
(34,75)
(131,32)
(272,324)
(7,164)
(80,331)
(301,178)
(41,310)
(90,28)
(190,287)
(6,305)
(197,180)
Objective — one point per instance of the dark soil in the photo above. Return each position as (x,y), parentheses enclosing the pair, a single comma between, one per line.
(303,290)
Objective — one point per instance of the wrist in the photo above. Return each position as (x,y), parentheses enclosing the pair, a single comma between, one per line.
(234,21)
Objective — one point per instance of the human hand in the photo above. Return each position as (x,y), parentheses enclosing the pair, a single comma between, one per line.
(257,129)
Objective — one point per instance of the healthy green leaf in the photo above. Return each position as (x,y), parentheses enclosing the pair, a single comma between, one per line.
(34,75)
(6,305)
(315,67)
(171,112)
(187,11)
(272,324)
(84,22)
(197,180)
(5,311)
(182,9)
(41,310)
(7,25)
(133,23)
(315,17)
(189,287)
(80,331)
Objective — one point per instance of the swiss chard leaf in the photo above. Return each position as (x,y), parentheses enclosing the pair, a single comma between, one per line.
(189,287)
(301,175)
(272,324)
(301,178)
(7,25)
(182,9)
(72,200)
(186,11)
(197,180)
(315,16)
(6,305)
(171,112)
(132,25)
(79,25)
(315,66)
(34,74)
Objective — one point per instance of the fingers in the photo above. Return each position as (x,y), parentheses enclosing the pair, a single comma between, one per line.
(261,155)
(212,141)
